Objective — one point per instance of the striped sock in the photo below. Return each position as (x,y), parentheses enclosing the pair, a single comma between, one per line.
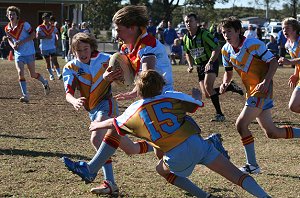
(250,185)
(144,147)
(291,132)
(23,86)
(248,143)
(107,148)
(185,184)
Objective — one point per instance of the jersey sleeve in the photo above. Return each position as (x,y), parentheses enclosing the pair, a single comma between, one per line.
(225,56)
(70,79)
(259,49)
(28,27)
(209,39)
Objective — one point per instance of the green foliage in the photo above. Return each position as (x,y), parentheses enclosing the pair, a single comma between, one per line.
(100,13)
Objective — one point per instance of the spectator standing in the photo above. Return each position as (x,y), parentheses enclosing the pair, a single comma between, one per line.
(250,33)
(151,29)
(273,47)
(65,39)
(84,28)
(160,31)
(169,35)
(5,47)
(71,32)
(281,40)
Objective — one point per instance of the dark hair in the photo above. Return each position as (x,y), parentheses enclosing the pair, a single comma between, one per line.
(231,22)
(192,15)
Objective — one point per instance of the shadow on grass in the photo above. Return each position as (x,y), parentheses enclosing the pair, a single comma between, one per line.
(284,175)
(282,123)
(8,98)
(40,154)
(215,190)
(20,137)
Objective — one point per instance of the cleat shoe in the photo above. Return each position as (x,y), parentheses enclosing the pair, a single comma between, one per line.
(236,88)
(51,77)
(250,169)
(24,99)
(46,88)
(80,168)
(60,76)
(106,188)
(218,118)
(216,140)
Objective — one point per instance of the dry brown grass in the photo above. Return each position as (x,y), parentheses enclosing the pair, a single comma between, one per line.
(34,136)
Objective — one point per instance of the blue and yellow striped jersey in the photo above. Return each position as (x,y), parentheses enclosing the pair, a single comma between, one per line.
(88,79)
(251,61)
(160,120)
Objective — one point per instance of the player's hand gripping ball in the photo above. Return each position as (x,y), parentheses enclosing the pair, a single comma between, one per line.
(120,61)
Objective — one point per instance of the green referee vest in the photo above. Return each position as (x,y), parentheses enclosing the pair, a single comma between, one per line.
(200,46)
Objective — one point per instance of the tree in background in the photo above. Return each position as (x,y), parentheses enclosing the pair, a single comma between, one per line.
(100,13)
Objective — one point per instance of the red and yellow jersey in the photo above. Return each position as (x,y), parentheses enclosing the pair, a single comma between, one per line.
(88,79)
(294,50)
(251,61)
(18,33)
(148,45)
(160,120)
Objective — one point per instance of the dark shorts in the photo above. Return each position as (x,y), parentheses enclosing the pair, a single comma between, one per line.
(201,70)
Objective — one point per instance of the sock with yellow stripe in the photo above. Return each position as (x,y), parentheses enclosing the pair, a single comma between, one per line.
(250,185)
(144,147)
(248,143)
(107,148)
(185,184)
(292,132)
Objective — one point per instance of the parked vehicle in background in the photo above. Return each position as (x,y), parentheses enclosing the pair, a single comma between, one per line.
(272,30)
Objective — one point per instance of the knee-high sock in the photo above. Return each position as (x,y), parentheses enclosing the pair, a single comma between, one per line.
(250,185)
(145,147)
(185,184)
(41,78)
(292,132)
(108,172)
(107,148)
(216,102)
(248,143)
(50,71)
(23,87)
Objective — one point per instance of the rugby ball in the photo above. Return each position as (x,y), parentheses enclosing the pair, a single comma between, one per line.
(121,61)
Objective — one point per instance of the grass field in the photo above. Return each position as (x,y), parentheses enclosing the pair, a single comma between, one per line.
(34,136)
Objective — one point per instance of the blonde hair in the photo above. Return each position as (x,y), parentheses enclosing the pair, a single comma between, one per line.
(85,38)
(292,22)
(132,15)
(13,9)
(149,83)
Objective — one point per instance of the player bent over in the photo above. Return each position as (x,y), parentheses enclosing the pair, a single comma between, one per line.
(161,119)
(256,67)
(20,37)
(88,73)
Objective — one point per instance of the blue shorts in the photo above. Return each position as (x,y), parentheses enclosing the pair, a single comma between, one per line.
(47,53)
(182,159)
(25,59)
(262,103)
(105,107)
